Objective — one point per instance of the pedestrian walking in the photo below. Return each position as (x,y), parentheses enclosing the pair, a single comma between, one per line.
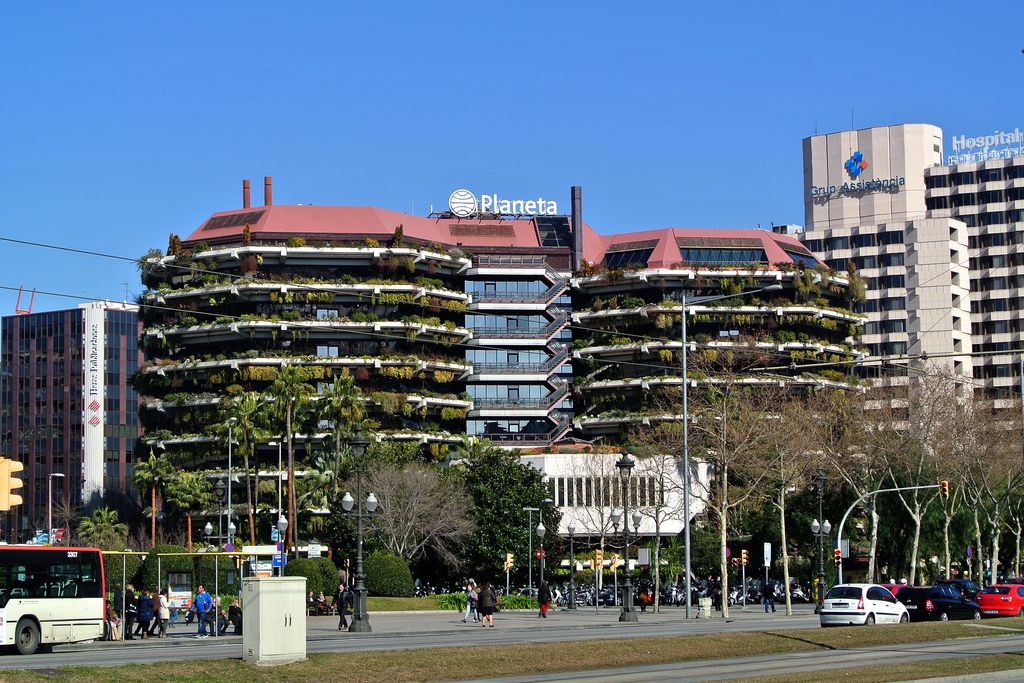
(163,612)
(204,606)
(768,596)
(145,613)
(485,603)
(471,602)
(341,604)
(544,598)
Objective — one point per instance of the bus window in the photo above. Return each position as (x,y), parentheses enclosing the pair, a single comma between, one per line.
(90,586)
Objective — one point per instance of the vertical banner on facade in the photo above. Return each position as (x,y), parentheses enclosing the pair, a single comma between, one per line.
(93,390)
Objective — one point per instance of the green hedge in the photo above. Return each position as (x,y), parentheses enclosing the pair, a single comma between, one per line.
(320,573)
(387,575)
(112,565)
(451,601)
(146,576)
(518,602)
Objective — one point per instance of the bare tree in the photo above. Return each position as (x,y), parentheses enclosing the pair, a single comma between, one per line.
(844,432)
(655,447)
(419,511)
(792,457)
(994,476)
(731,426)
(596,519)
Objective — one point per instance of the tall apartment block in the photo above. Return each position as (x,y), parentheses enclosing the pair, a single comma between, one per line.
(66,406)
(988,198)
(866,203)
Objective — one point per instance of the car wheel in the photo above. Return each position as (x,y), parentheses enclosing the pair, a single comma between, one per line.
(977,615)
(904,618)
(943,616)
(26,637)
(870,621)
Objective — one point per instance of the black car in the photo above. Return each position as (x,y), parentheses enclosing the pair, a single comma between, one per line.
(965,587)
(941,602)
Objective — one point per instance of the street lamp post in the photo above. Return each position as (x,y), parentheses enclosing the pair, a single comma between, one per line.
(529,554)
(208,531)
(358,444)
(231,422)
(540,548)
(821,530)
(282,527)
(572,567)
(625,465)
(686,434)
(49,505)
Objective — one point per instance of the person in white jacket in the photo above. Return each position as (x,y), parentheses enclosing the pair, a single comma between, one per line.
(163,612)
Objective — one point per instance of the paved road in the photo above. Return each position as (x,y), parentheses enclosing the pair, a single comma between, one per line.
(821,661)
(398,631)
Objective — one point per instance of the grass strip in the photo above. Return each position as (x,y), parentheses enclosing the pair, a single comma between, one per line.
(908,671)
(472,661)
(377,604)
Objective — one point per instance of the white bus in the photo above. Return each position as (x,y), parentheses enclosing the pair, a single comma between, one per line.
(50,595)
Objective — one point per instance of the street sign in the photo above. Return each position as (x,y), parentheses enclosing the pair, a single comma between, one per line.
(280,560)
(229,547)
(643,557)
(728,552)
(540,553)
(767,554)
(314,550)
(970,551)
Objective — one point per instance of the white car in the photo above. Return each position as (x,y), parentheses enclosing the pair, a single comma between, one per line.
(862,603)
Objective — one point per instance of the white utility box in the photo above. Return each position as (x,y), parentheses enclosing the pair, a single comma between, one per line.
(274,619)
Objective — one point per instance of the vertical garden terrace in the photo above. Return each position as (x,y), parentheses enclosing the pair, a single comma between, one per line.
(220,320)
(627,346)
(450,326)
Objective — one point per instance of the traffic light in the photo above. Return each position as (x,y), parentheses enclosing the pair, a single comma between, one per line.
(838,556)
(944,488)
(9,483)
(598,558)
(743,557)
(510,561)
(735,562)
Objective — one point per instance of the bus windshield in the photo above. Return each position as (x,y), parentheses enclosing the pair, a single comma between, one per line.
(50,573)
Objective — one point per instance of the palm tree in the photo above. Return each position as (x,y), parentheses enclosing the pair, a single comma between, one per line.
(292,395)
(248,412)
(343,407)
(318,488)
(152,473)
(103,530)
(67,514)
(189,491)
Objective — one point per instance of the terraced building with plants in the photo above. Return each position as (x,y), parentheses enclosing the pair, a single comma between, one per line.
(755,301)
(526,331)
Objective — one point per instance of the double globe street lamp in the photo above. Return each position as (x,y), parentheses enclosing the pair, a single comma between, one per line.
(572,567)
(358,444)
(625,465)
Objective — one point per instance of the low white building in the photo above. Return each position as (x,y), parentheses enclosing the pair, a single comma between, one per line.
(586,487)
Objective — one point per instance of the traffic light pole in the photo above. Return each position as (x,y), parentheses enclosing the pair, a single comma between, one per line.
(839,534)
(743,585)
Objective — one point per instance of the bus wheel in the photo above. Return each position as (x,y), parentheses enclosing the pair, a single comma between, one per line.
(26,637)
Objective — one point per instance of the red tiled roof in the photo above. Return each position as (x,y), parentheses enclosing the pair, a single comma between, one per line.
(348,222)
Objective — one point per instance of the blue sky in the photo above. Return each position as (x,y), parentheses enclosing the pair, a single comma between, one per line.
(122,122)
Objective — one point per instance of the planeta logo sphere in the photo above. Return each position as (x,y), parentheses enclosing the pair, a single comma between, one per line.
(462,203)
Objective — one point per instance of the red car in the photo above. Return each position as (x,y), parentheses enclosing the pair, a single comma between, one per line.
(893,588)
(1002,600)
